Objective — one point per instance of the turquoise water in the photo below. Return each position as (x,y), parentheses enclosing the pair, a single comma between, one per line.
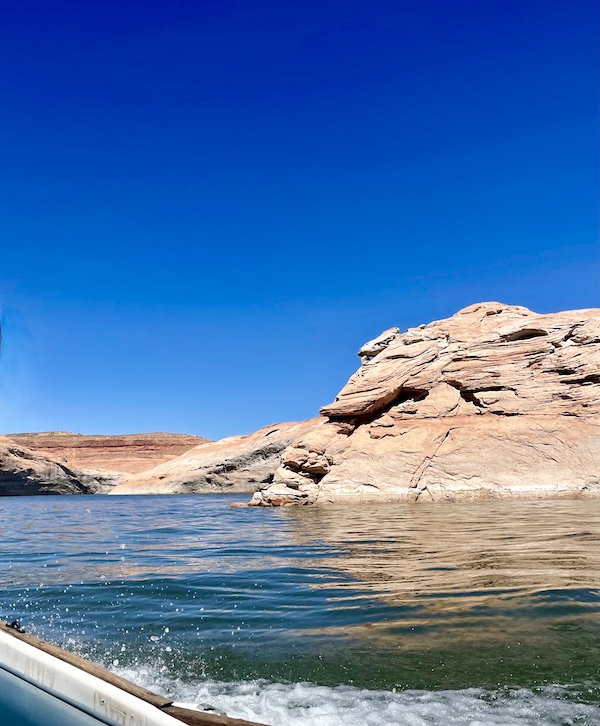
(483,613)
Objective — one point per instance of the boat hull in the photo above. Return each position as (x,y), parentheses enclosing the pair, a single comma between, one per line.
(42,685)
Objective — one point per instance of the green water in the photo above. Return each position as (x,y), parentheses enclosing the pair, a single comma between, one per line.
(490,607)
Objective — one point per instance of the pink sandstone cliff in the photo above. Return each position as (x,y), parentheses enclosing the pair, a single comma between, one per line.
(495,402)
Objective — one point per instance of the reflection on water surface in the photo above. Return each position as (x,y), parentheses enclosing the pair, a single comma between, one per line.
(421,596)
(473,547)
(467,572)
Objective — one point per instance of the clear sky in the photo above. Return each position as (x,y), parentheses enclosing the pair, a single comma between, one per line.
(208,205)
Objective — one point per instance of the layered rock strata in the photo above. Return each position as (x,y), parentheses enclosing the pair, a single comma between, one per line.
(128,453)
(237,464)
(495,402)
(26,472)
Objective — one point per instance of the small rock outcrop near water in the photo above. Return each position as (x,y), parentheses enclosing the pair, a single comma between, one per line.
(237,464)
(495,402)
(26,472)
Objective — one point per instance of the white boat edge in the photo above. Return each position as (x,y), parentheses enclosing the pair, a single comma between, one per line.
(78,688)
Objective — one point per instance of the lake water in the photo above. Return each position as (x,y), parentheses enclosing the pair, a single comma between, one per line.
(480,614)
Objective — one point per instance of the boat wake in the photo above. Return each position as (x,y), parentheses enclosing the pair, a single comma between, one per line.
(307,704)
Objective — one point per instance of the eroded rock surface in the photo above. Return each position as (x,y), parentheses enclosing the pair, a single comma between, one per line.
(129,453)
(496,401)
(239,464)
(27,472)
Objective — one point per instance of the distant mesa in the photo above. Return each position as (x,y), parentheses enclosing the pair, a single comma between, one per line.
(125,453)
(27,472)
(494,402)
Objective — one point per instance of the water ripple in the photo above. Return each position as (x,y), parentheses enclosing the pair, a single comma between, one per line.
(487,595)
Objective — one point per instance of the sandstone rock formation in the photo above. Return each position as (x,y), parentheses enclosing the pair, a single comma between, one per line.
(26,472)
(494,402)
(129,453)
(235,464)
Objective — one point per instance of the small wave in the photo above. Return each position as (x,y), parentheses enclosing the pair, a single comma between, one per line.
(307,704)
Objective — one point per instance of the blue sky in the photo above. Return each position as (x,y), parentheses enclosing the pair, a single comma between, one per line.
(207,207)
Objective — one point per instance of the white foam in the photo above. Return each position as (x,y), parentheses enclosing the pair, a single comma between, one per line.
(306,704)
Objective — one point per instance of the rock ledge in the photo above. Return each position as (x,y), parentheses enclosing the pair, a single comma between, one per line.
(495,402)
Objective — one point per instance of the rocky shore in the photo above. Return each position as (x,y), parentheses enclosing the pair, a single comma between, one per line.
(126,453)
(494,402)
(58,462)
(237,464)
(65,463)
(25,472)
